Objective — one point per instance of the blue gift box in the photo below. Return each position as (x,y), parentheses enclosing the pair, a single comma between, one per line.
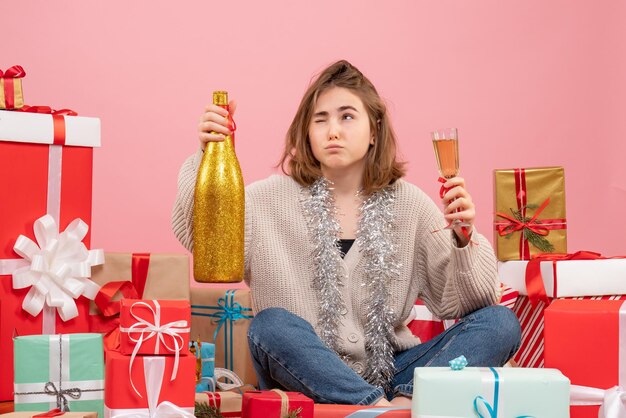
(206,355)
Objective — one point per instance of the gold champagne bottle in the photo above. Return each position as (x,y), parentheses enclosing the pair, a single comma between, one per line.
(218,211)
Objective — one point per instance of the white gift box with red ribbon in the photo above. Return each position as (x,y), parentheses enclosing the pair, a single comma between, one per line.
(570,278)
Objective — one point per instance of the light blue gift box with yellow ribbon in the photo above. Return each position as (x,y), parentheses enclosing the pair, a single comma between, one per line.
(222,316)
(488,392)
(64,371)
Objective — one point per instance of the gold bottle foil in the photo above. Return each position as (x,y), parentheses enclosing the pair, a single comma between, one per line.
(218,212)
(541,183)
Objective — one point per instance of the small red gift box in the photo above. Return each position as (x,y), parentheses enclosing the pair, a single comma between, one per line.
(275,403)
(356,411)
(586,340)
(154,327)
(154,386)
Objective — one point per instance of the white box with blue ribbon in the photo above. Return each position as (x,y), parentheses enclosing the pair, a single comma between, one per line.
(490,392)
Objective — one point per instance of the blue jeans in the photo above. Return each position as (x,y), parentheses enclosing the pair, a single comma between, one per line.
(288,354)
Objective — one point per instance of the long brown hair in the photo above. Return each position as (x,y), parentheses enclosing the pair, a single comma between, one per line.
(381,167)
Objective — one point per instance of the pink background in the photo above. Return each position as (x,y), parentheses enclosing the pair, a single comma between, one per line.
(530,83)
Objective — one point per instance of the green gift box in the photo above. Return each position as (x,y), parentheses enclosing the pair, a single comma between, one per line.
(64,371)
(505,392)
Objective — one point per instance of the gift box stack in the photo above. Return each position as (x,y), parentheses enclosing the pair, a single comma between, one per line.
(54,289)
(568,301)
(45,263)
(153,372)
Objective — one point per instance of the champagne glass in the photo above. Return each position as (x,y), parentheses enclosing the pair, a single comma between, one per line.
(446,145)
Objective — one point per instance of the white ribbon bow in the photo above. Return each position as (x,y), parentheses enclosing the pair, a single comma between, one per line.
(220,373)
(154,369)
(56,268)
(152,329)
(613,400)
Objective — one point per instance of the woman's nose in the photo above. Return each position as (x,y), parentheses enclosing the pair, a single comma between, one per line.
(333,131)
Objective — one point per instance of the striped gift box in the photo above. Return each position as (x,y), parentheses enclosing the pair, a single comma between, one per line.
(426,326)
(530,353)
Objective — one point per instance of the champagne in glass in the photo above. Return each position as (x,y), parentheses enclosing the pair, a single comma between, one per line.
(446,145)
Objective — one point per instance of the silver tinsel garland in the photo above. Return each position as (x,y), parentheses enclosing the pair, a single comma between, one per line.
(375,239)
(319,208)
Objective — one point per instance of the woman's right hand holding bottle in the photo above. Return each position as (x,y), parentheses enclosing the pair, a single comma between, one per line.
(216,123)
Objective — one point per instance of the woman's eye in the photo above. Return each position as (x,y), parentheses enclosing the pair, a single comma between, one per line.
(318,121)
(348,116)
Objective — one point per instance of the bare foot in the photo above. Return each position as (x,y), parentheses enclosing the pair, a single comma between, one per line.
(401,401)
(383,402)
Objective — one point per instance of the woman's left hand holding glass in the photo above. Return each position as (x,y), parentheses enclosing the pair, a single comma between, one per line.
(458,205)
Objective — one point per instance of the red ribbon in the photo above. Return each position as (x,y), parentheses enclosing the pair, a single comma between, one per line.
(538,226)
(9,90)
(58,120)
(139,274)
(534,280)
(214,399)
(109,322)
(51,413)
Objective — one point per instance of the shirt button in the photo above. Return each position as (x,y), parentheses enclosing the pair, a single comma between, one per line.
(344,310)
(353,338)
(358,367)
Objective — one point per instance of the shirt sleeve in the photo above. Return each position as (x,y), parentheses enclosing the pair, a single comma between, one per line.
(453,281)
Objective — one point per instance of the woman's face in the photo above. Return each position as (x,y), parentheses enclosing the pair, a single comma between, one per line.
(339,131)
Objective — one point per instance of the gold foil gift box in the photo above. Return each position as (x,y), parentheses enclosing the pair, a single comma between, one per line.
(529,212)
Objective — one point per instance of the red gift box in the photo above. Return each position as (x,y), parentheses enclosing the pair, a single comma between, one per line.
(37,179)
(424,324)
(154,326)
(153,386)
(531,351)
(586,340)
(356,411)
(275,403)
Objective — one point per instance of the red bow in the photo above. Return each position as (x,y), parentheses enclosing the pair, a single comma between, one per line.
(515,225)
(9,77)
(14,72)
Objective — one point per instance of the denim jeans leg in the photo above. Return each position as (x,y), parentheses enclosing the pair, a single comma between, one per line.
(288,354)
(488,337)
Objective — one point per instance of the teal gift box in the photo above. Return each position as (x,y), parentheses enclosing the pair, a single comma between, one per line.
(509,392)
(64,371)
